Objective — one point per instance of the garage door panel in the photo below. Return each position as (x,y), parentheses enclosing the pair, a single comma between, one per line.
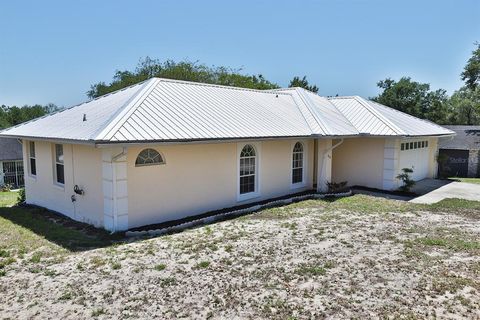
(416,159)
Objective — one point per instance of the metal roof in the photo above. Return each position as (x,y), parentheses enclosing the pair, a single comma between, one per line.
(160,110)
(373,118)
(467,138)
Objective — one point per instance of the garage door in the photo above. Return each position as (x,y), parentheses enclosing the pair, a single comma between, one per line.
(415,155)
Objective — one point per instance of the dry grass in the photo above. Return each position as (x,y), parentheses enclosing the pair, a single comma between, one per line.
(357,257)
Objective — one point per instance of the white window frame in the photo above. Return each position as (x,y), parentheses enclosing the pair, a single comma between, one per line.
(256,193)
(55,175)
(30,157)
(162,157)
(303,183)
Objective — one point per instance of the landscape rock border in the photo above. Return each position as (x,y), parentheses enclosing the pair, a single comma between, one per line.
(234,213)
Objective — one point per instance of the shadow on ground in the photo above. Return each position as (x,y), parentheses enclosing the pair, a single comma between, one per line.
(63,231)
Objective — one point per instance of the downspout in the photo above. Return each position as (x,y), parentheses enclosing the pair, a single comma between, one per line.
(333,147)
(114,188)
(326,154)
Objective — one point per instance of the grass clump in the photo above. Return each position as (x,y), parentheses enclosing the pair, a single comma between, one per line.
(97,262)
(450,243)
(203,264)
(116,265)
(98,312)
(306,270)
(160,267)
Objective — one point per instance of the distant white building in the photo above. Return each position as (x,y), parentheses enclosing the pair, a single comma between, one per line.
(163,150)
(11,163)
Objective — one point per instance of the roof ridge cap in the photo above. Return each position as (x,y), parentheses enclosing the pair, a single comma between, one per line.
(116,120)
(380,116)
(327,130)
(193,83)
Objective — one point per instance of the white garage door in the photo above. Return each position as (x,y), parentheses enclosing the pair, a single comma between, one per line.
(415,155)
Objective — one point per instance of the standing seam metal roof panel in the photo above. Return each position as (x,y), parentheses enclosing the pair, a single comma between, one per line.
(169,110)
(194,111)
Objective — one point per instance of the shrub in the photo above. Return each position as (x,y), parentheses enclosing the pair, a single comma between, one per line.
(334,187)
(7,187)
(408,183)
(21,195)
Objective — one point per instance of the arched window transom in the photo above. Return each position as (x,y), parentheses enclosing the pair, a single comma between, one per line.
(149,157)
(297,163)
(248,162)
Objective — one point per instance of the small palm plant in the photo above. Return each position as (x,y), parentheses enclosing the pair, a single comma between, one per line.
(408,183)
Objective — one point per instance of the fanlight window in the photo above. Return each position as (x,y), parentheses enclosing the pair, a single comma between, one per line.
(297,163)
(248,159)
(149,157)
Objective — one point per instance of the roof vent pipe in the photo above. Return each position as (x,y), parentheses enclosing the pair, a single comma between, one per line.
(84,117)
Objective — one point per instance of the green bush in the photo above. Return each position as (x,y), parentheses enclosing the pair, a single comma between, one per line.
(408,183)
(21,195)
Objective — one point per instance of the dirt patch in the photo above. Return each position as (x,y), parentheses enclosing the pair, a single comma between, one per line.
(308,260)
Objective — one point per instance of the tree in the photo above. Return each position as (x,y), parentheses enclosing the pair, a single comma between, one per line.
(471,72)
(11,116)
(437,107)
(183,70)
(405,95)
(465,105)
(302,83)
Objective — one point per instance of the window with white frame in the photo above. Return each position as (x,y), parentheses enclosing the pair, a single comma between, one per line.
(248,163)
(414,145)
(59,164)
(32,158)
(149,157)
(297,163)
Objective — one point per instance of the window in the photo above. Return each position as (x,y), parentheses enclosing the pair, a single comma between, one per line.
(411,145)
(297,163)
(407,146)
(423,144)
(149,157)
(33,160)
(426,144)
(402,146)
(415,145)
(59,165)
(248,159)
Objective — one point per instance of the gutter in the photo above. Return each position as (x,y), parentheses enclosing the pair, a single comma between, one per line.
(107,143)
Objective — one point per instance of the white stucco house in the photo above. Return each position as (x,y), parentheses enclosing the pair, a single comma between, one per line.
(164,149)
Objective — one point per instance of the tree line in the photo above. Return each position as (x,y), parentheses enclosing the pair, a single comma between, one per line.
(13,115)
(417,99)
(405,94)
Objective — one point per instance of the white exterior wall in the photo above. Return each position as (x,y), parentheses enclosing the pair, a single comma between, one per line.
(359,161)
(201,177)
(83,167)
(376,162)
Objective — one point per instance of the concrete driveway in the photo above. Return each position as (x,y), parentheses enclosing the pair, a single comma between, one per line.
(433,191)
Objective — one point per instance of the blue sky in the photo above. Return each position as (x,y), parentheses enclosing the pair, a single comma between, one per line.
(52,51)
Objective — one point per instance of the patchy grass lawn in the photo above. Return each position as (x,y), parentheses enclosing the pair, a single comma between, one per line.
(8,198)
(468,180)
(356,257)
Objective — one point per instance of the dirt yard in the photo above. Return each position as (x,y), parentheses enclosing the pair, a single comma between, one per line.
(358,257)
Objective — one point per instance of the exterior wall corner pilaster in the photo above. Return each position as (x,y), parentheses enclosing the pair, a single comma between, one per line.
(115,191)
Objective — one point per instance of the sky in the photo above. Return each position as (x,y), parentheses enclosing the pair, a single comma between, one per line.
(52,51)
